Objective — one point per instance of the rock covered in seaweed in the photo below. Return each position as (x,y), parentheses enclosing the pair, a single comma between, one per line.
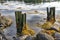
(27,31)
(5,21)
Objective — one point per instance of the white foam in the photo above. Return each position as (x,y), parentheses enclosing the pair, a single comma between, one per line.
(24,6)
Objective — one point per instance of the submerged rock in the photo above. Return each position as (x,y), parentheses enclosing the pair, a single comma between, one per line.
(43,36)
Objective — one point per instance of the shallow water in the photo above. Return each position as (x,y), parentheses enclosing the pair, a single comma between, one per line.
(11,8)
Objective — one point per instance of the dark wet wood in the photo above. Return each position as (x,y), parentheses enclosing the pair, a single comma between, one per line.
(20,21)
(51,14)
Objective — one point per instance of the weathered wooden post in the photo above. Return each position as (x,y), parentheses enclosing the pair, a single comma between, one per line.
(20,21)
(48,13)
(51,14)
(52,11)
(24,18)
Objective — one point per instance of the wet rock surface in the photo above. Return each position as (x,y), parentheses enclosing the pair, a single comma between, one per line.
(29,38)
(39,36)
(5,21)
(57,36)
(43,36)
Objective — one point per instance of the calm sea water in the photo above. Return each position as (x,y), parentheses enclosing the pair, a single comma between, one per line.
(11,31)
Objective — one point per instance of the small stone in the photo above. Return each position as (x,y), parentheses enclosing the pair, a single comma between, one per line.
(23,37)
(43,36)
(29,38)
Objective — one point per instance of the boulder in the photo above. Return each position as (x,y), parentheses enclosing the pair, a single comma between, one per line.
(43,36)
(57,36)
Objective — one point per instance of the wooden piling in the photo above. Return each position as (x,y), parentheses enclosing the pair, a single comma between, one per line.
(24,18)
(18,16)
(20,21)
(48,14)
(51,14)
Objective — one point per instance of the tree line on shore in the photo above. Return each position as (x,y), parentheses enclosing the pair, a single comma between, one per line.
(31,1)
